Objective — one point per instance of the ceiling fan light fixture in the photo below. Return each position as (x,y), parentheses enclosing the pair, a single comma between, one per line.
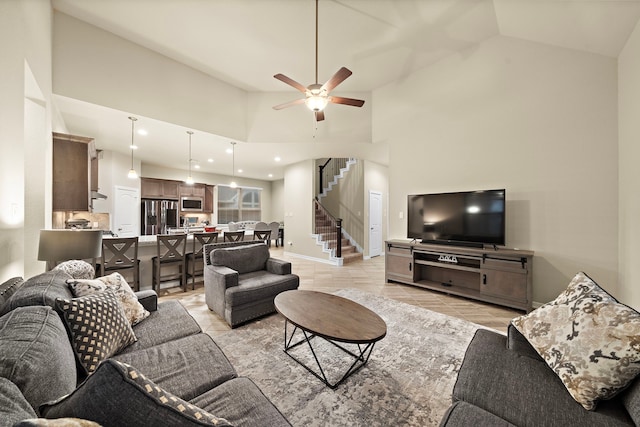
(316,102)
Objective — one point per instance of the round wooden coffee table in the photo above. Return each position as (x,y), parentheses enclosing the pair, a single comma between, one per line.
(333,318)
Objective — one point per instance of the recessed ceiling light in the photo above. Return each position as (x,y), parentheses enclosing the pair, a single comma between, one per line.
(229,151)
(142,132)
(210,160)
(270,175)
(239,170)
(197,166)
(277,158)
(133,147)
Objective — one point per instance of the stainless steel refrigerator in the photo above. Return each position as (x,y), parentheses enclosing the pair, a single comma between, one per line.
(158,216)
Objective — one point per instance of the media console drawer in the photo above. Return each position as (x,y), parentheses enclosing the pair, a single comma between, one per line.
(499,276)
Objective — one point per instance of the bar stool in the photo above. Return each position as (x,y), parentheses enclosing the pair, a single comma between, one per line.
(121,254)
(262,235)
(233,236)
(171,252)
(195,262)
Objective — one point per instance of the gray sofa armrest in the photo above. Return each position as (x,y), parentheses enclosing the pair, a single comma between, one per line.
(217,279)
(278,266)
(148,299)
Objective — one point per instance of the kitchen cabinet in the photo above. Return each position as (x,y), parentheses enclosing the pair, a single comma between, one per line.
(208,199)
(193,190)
(71,179)
(152,188)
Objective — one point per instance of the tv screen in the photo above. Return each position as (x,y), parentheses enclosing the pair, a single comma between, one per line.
(469,217)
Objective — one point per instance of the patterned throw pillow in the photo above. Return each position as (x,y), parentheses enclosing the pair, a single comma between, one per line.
(97,326)
(133,400)
(589,339)
(134,311)
(77,269)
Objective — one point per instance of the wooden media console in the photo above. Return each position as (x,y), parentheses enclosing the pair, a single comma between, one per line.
(499,276)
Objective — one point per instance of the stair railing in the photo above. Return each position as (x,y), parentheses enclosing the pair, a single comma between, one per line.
(334,224)
(329,170)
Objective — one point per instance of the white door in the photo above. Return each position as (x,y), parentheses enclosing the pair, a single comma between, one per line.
(126,210)
(375,223)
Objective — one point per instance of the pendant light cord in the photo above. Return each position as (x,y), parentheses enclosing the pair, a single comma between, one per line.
(316,41)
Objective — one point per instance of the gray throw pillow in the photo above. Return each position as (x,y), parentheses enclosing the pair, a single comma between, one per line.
(97,326)
(117,394)
(35,354)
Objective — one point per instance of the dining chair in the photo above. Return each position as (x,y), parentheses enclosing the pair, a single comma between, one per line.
(262,235)
(121,255)
(274,226)
(171,253)
(195,262)
(233,236)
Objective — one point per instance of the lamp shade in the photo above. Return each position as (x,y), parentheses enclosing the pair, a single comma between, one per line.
(64,245)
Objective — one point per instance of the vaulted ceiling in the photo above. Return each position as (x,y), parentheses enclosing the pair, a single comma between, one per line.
(246,42)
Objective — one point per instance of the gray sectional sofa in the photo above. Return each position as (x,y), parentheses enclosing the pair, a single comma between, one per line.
(172,375)
(503,381)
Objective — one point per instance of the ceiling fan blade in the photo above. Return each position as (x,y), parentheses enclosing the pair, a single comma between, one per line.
(319,116)
(346,101)
(337,78)
(290,82)
(289,104)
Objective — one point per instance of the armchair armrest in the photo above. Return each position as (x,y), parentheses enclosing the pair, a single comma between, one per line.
(278,266)
(148,299)
(217,279)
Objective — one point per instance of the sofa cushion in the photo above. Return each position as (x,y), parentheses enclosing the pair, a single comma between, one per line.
(134,311)
(631,400)
(42,289)
(242,403)
(13,406)
(522,390)
(58,422)
(117,395)
(588,338)
(187,366)
(169,322)
(77,269)
(97,327)
(464,414)
(35,354)
(8,288)
(259,285)
(243,259)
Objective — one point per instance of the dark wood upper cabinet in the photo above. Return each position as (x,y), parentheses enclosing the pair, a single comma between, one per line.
(72,156)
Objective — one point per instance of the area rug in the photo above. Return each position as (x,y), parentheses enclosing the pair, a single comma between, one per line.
(408,380)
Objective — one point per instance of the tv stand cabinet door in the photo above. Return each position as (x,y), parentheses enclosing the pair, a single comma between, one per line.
(509,285)
(399,263)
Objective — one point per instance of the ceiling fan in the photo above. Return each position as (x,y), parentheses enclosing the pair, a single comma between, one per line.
(316,95)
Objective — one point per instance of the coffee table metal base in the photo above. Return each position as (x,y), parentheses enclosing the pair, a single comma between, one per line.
(360,359)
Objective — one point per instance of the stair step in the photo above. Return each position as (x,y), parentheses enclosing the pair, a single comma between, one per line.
(348,258)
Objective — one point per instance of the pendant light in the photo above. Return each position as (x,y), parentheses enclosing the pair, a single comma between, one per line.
(189,178)
(233,170)
(132,172)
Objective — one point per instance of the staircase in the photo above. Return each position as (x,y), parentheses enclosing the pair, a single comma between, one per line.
(326,235)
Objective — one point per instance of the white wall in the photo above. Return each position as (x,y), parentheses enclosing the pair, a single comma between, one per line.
(25,129)
(277,200)
(375,179)
(537,120)
(629,172)
(98,67)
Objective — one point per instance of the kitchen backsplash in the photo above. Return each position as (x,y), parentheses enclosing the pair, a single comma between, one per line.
(98,221)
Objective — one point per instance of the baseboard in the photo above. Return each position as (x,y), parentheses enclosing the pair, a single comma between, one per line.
(337,262)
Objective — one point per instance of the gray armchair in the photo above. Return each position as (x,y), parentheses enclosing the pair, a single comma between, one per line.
(241,280)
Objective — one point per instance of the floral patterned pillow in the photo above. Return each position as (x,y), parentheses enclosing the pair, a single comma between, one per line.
(77,268)
(589,339)
(134,311)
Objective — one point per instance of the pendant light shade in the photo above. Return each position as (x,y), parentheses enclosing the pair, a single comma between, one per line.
(132,172)
(189,179)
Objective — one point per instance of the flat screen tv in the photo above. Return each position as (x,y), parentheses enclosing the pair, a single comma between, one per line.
(468,218)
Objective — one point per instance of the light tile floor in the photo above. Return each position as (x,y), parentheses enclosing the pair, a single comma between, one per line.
(366,275)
